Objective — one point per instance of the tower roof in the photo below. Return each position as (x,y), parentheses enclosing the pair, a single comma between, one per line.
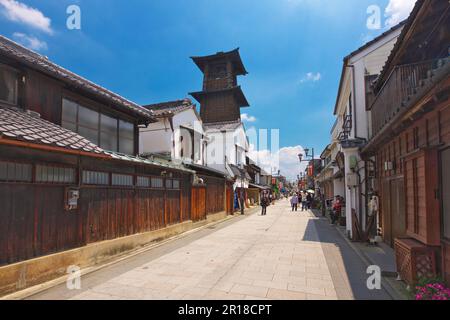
(240,97)
(232,56)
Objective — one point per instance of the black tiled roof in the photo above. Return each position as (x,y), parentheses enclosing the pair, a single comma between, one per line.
(238,172)
(227,125)
(19,125)
(233,55)
(41,63)
(174,107)
(237,91)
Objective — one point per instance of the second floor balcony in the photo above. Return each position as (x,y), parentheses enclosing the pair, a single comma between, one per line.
(347,126)
(406,84)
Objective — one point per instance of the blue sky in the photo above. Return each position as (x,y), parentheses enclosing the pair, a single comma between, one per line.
(293,50)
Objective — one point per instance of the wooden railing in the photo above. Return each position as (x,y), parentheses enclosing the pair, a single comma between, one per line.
(403,82)
(346,128)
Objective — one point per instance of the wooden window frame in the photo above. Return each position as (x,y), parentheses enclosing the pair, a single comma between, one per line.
(81,103)
(93,184)
(132,176)
(75,174)
(21,163)
(17,73)
(143,177)
(33,173)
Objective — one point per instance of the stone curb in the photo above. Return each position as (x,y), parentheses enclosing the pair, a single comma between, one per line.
(28,292)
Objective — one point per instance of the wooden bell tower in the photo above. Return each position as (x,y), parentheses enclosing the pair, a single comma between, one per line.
(221,98)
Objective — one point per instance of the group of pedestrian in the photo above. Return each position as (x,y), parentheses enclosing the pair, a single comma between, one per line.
(304,198)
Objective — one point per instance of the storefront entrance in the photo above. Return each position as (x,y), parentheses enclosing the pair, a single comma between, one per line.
(393,207)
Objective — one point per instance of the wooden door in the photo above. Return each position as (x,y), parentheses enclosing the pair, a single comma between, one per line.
(229,200)
(398,213)
(445,196)
(445,193)
(198,203)
(386,212)
(393,210)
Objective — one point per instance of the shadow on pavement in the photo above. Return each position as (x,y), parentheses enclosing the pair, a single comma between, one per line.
(339,252)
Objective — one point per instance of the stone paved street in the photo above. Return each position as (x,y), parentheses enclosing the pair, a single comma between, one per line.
(283,255)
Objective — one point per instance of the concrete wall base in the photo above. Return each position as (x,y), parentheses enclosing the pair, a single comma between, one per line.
(25,274)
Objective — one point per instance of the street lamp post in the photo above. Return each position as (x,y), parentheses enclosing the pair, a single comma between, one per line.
(310,157)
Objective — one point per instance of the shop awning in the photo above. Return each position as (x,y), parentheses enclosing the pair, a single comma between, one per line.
(256,186)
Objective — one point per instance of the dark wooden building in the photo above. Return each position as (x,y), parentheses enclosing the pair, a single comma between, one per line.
(410,143)
(221,100)
(221,97)
(69,174)
(210,193)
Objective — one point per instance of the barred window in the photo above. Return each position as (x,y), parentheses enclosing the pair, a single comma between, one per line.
(122,180)
(95,178)
(15,172)
(52,174)
(176,184)
(157,183)
(168,183)
(143,182)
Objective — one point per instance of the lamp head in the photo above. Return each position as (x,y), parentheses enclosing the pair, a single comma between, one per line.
(306,151)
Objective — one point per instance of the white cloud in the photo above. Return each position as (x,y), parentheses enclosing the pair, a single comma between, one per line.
(20,12)
(286,160)
(247,118)
(397,11)
(30,42)
(311,77)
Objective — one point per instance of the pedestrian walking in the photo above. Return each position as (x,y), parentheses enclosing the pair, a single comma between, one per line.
(303,201)
(309,200)
(336,212)
(264,204)
(294,203)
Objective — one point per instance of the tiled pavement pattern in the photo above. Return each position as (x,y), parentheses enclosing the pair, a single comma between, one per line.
(278,256)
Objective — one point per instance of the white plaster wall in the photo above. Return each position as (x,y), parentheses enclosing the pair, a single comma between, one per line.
(156,138)
(368,62)
(188,119)
(223,144)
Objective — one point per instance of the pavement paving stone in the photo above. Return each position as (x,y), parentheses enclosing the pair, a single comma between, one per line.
(250,290)
(278,256)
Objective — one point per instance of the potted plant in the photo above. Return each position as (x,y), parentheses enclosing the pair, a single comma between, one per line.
(431,289)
